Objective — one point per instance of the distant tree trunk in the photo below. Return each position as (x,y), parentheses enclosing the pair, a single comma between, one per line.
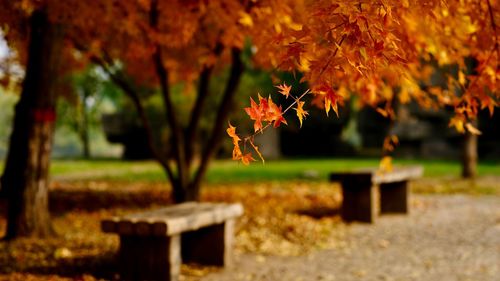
(84,126)
(469,154)
(25,178)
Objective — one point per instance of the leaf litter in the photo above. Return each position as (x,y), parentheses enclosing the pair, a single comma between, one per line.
(281,218)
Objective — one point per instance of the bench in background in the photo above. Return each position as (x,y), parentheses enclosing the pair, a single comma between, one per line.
(368,192)
(153,244)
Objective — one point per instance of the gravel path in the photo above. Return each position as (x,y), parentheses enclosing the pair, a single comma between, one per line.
(453,237)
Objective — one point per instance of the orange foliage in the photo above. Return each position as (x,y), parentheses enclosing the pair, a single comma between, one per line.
(366,47)
(369,48)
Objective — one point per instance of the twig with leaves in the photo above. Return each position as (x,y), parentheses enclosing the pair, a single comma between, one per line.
(265,111)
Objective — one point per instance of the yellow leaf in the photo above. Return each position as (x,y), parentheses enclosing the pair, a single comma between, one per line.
(301,113)
(245,19)
(385,164)
(461,78)
(284,89)
(362,51)
(458,123)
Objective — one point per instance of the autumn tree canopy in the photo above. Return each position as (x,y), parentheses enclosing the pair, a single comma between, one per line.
(373,49)
(379,51)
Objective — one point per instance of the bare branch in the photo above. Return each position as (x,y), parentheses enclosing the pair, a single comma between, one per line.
(132,94)
(196,112)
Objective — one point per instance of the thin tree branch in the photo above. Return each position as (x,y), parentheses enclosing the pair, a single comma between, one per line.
(333,55)
(237,68)
(132,94)
(145,122)
(196,113)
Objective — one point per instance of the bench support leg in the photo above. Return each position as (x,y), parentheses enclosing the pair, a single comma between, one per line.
(210,245)
(394,197)
(359,202)
(150,257)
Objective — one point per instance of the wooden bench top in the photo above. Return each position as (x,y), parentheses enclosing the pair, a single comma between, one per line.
(378,177)
(173,219)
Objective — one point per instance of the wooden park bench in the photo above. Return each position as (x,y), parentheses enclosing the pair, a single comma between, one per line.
(153,244)
(368,192)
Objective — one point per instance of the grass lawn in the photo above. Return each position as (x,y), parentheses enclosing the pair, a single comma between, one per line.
(226,171)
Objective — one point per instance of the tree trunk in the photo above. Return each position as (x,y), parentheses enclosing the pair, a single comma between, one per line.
(25,178)
(84,126)
(469,155)
(185,194)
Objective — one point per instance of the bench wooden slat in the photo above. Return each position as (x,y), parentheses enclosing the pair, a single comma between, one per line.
(377,177)
(173,219)
(398,174)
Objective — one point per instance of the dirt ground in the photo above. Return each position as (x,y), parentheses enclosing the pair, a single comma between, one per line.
(452,237)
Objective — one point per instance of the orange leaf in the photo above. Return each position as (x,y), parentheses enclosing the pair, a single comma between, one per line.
(246,159)
(284,89)
(231,131)
(390,143)
(255,113)
(278,122)
(331,98)
(274,114)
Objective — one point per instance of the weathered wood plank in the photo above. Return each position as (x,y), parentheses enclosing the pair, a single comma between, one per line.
(378,177)
(172,220)
(398,175)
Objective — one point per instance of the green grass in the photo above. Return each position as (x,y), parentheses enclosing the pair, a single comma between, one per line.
(230,171)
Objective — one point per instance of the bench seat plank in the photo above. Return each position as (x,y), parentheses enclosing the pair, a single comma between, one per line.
(173,219)
(377,177)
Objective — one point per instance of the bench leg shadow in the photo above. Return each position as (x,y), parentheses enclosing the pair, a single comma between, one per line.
(359,202)
(209,245)
(150,257)
(394,198)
